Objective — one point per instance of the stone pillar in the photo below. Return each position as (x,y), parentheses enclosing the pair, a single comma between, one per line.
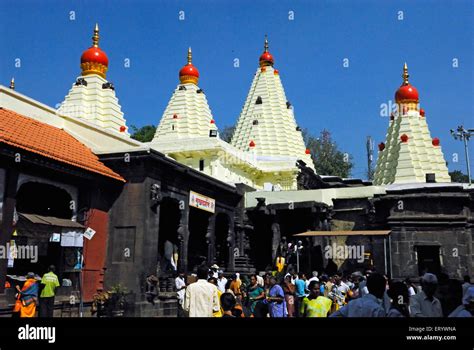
(230,245)
(239,238)
(151,227)
(183,237)
(210,239)
(315,224)
(276,238)
(324,225)
(6,226)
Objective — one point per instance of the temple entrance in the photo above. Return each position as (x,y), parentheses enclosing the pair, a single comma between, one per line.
(34,202)
(428,260)
(44,199)
(293,222)
(221,246)
(197,243)
(261,243)
(170,215)
(273,234)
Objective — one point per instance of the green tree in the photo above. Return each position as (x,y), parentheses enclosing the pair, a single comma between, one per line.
(458,176)
(143,134)
(227,132)
(327,158)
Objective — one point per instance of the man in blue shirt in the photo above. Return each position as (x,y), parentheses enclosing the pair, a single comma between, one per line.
(467,307)
(300,293)
(370,305)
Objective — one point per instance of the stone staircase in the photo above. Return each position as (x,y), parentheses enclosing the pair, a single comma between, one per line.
(244,264)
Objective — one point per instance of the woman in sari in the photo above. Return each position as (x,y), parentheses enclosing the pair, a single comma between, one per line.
(255,295)
(276,299)
(28,296)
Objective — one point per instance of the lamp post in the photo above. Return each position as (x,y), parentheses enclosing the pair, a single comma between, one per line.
(79,267)
(298,247)
(464,135)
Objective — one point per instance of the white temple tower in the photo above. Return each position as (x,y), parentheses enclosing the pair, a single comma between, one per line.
(267,125)
(409,152)
(187,115)
(92,97)
(188,133)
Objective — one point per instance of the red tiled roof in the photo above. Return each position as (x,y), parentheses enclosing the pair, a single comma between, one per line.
(40,138)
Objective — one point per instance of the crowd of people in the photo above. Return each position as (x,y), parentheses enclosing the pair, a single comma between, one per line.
(292,294)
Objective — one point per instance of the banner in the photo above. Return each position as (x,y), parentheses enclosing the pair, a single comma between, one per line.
(202,202)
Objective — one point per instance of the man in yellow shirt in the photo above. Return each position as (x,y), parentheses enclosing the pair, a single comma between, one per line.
(48,286)
(219,313)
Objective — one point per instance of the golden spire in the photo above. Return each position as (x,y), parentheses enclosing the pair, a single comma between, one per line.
(12,84)
(95,38)
(94,60)
(189,73)
(405,74)
(266,44)
(190,56)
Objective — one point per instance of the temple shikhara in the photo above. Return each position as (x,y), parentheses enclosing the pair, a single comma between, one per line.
(266,144)
(92,97)
(74,183)
(409,153)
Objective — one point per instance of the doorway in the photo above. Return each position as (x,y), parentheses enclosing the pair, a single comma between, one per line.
(428,260)
(170,216)
(197,244)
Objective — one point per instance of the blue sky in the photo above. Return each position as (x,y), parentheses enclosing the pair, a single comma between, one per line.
(308,50)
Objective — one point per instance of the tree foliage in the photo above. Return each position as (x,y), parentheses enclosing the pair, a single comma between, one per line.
(143,134)
(327,158)
(227,132)
(458,176)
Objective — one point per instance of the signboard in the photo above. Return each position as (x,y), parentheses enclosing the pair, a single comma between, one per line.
(71,239)
(202,202)
(55,237)
(89,233)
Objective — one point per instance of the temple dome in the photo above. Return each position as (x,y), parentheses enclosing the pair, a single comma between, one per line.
(189,73)
(94,60)
(406,92)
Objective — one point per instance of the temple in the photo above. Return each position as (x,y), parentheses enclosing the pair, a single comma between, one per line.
(409,153)
(188,133)
(92,96)
(266,145)
(267,125)
(187,197)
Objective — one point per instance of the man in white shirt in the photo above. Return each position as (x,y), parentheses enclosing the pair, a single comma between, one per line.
(260,281)
(424,304)
(341,286)
(180,289)
(201,298)
(221,281)
(213,271)
(314,278)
